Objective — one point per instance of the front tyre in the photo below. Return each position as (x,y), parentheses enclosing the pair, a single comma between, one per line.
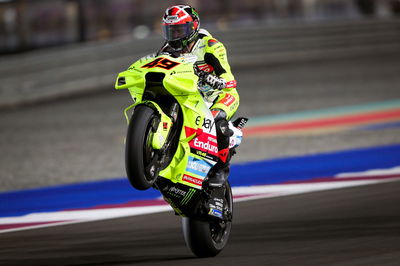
(140,160)
(208,238)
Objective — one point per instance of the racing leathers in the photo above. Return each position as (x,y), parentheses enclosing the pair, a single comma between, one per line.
(212,59)
(218,87)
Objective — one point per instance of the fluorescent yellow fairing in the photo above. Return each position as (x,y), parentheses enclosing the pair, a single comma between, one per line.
(181,82)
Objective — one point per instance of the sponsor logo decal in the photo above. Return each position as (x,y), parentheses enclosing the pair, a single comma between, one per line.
(192,180)
(228,99)
(172,19)
(176,191)
(216,213)
(198,167)
(206,67)
(223,154)
(205,144)
(188,196)
(207,123)
(231,84)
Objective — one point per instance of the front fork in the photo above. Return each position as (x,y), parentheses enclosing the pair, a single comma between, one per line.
(161,127)
(162,134)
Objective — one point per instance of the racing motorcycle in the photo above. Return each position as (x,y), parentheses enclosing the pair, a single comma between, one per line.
(171,145)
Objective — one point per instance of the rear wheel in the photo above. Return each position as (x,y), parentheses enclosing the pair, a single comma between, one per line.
(140,158)
(208,238)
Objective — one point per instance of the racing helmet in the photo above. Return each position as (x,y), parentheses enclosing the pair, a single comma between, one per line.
(181,26)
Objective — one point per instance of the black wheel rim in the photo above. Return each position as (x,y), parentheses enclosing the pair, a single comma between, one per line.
(219,231)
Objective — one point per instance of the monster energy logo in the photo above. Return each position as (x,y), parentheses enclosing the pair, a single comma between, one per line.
(188,196)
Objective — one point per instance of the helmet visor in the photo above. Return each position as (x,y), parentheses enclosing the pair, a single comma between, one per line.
(177,32)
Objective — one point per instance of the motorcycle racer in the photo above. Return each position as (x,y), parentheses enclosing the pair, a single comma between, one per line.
(183,35)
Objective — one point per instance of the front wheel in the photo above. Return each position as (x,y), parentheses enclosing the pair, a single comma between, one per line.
(140,158)
(208,238)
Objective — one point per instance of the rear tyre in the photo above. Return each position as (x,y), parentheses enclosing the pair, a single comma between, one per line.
(140,158)
(208,238)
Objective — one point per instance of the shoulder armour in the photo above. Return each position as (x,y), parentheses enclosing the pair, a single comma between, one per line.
(212,42)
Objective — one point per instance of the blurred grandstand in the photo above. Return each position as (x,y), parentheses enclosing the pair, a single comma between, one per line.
(32,24)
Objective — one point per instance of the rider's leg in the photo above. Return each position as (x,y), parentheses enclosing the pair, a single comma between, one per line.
(223,109)
(220,171)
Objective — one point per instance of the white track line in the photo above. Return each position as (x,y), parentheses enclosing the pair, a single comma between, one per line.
(241,194)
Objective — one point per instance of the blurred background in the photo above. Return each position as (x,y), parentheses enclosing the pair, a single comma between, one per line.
(30,24)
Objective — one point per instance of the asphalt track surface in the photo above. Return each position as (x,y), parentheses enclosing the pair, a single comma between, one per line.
(353,226)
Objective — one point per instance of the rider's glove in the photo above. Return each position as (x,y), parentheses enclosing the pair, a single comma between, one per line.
(212,80)
(215,82)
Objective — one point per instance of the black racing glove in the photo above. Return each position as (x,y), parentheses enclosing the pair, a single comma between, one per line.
(210,79)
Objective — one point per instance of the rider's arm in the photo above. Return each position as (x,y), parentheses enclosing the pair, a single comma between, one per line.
(216,56)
